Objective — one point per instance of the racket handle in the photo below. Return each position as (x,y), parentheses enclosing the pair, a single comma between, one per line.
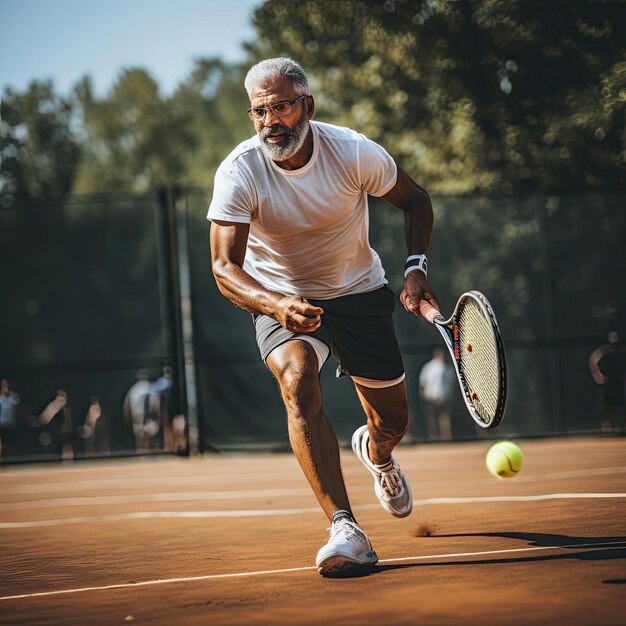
(428,311)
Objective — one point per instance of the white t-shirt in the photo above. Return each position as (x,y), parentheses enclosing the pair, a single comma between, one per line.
(8,410)
(308,227)
(436,378)
(137,396)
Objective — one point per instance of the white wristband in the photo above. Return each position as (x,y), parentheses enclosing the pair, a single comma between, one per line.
(416,262)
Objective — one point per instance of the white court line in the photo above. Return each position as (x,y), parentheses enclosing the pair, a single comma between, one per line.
(131,483)
(298,511)
(177,496)
(598,471)
(164,581)
(232,494)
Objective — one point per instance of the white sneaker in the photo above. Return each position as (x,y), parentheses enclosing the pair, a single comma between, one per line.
(392,487)
(347,552)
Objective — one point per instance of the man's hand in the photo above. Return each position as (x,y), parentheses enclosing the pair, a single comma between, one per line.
(298,315)
(416,288)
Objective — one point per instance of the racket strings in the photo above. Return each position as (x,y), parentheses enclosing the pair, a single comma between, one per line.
(479,361)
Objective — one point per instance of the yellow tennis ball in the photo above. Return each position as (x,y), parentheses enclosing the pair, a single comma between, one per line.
(504,459)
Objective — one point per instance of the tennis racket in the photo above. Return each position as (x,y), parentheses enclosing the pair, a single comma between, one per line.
(473,339)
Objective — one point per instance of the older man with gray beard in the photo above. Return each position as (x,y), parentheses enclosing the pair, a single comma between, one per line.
(289,243)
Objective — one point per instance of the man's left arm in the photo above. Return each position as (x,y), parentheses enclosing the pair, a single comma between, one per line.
(414,200)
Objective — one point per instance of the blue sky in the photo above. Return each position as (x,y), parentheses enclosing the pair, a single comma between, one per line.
(66,39)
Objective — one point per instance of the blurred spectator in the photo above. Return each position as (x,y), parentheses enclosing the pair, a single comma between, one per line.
(607,365)
(136,408)
(9,402)
(164,409)
(93,434)
(436,384)
(55,427)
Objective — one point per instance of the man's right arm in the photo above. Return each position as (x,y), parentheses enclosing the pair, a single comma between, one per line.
(228,250)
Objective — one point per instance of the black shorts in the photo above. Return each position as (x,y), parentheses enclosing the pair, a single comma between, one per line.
(357,328)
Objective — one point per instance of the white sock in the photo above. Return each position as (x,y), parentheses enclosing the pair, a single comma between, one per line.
(385,467)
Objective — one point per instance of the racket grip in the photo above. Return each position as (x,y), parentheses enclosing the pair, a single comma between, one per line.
(428,311)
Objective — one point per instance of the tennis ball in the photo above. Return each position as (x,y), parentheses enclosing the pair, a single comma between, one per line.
(504,459)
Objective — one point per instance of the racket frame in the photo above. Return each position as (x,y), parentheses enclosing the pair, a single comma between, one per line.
(446,329)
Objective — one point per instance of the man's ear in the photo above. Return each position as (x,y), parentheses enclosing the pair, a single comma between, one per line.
(310,107)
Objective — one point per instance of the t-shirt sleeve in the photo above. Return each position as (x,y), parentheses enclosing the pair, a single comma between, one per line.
(378,170)
(231,201)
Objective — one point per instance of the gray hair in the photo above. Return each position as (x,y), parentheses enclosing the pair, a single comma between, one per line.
(275,68)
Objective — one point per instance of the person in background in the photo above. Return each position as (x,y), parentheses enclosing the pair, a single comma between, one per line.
(436,382)
(9,403)
(55,427)
(93,433)
(163,409)
(135,409)
(607,365)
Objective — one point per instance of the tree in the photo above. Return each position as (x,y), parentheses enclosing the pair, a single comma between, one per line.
(40,152)
(131,139)
(135,139)
(472,95)
(211,103)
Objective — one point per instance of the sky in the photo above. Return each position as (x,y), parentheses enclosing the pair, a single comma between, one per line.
(66,39)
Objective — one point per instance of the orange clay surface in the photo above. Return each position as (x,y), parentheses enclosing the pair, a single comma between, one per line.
(232,538)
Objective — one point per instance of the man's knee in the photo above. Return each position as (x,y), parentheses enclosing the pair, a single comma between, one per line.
(388,407)
(298,378)
(390,419)
(393,426)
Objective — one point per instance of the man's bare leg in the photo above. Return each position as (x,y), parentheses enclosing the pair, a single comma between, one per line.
(445,427)
(387,421)
(387,418)
(295,366)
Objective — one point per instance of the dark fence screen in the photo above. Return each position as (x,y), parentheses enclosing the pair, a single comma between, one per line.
(83,316)
(99,295)
(552,268)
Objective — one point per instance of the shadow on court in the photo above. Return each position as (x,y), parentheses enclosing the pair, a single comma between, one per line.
(546,540)
(610,548)
(610,552)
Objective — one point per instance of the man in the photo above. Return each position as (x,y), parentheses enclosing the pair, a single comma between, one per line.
(163,409)
(9,403)
(607,365)
(55,421)
(135,408)
(289,243)
(436,385)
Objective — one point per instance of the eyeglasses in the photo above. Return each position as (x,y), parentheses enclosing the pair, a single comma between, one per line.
(280,109)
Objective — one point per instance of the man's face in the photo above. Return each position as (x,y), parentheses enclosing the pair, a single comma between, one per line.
(281,137)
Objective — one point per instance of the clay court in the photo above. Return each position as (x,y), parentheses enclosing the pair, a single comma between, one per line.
(231,539)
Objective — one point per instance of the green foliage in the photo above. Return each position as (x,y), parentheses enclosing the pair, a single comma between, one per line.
(211,105)
(473,95)
(131,140)
(39,151)
(132,137)
(469,96)
(136,139)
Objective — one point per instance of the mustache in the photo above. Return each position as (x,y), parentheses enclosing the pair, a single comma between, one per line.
(270,130)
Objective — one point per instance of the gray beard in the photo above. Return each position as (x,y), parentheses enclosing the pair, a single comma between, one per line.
(289,146)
